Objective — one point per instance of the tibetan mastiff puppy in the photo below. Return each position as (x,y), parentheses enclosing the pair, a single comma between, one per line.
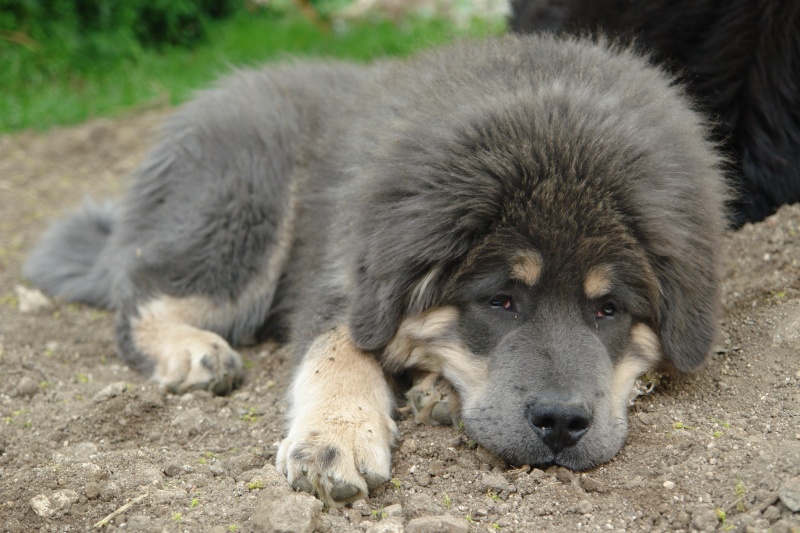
(740,59)
(536,221)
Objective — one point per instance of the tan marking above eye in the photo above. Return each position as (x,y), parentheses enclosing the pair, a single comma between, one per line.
(598,282)
(527,266)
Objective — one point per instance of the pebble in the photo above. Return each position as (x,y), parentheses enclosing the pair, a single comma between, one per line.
(111,391)
(789,493)
(591,485)
(192,421)
(26,387)
(387,525)
(436,468)
(437,524)
(362,507)
(77,453)
(564,475)
(394,510)
(279,511)
(495,483)
(705,519)
(669,485)
(31,300)
(268,475)
(140,522)
(47,506)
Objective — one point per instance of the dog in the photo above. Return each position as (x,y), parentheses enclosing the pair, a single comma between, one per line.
(536,221)
(739,60)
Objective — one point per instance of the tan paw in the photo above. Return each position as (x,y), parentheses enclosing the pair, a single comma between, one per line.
(338,454)
(198,359)
(433,400)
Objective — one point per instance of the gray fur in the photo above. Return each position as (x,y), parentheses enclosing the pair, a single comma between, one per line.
(66,263)
(362,181)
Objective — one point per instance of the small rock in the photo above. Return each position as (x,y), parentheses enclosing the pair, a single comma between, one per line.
(772,513)
(387,525)
(26,387)
(495,483)
(537,474)
(564,475)
(41,506)
(669,485)
(191,422)
(585,507)
(705,519)
(268,475)
(789,493)
(422,478)
(362,507)
(31,300)
(277,511)
(394,511)
(437,524)
(591,485)
(77,453)
(110,491)
(172,470)
(144,476)
(47,506)
(140,522)
(436,468)
(93,489)
(111,391)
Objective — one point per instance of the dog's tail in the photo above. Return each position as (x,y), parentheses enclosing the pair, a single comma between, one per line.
(68,260)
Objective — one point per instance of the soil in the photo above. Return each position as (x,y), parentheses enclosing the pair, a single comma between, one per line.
(83,438)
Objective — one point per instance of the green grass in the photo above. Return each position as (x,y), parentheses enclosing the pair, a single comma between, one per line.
(41,89)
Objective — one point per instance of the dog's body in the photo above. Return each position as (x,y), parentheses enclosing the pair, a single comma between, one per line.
(535,220)
(739,59)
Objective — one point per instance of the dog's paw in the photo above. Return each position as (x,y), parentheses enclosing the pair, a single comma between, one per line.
(200,360)
(433,400)
(338,455)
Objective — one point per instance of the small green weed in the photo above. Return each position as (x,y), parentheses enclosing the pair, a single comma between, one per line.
(739,492)
(250,416)
(256,485)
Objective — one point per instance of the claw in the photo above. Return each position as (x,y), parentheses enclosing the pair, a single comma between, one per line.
(343,493)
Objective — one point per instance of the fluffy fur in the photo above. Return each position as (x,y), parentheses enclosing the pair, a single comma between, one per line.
(741,61)
(534,220)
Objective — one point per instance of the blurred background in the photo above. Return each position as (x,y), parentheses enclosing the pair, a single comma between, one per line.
(63,61)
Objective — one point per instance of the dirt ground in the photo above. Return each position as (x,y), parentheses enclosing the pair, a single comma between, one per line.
(82,437)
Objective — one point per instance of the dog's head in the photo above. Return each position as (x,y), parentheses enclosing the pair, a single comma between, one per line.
(541,250)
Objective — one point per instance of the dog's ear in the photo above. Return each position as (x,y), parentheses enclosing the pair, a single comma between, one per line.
(376,309)
(382,298)
(689,309)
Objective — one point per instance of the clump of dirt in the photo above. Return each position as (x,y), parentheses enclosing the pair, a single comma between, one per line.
(85,442)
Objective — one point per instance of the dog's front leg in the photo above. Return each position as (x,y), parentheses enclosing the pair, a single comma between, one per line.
(340,424)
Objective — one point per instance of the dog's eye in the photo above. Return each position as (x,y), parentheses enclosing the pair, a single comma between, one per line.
(502,301)
(607,310)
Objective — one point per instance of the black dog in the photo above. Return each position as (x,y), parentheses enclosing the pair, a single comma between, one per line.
(741,60)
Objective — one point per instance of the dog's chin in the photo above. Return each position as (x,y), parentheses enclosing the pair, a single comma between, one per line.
(523,447)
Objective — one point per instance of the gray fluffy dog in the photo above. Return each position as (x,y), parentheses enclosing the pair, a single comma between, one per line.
(533,222)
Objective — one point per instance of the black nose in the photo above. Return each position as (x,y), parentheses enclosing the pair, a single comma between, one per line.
(559,423)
